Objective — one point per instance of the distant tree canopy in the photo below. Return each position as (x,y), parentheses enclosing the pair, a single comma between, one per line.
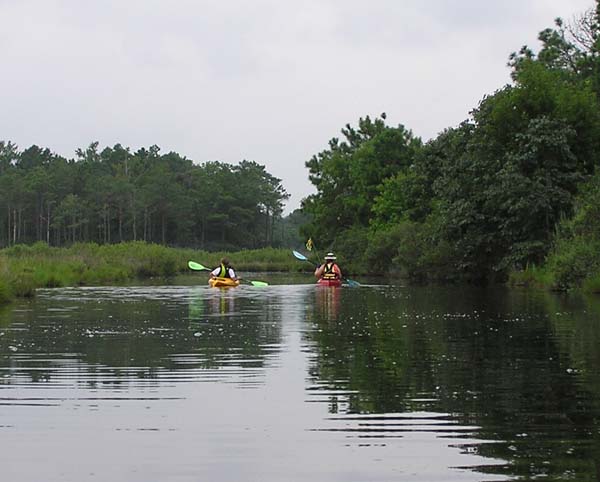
(349,174)
(115,195)
(482,198)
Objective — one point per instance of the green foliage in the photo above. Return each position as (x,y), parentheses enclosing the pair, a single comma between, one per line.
(575,257)
(586,219)
(386,243)
(25,268)
(392,203)
(476,202)
(265,259)
(5,292)
(349,174)
(288,232)
(115,196)
(542,93)
(350,246)
(22,283)
(532,276)
(591,284)
(573,261)
(422,255)
(527,151)
(571,49)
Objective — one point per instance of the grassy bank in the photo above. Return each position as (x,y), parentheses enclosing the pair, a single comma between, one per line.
(533,277)
(25,268)
(573,263)
(553,278)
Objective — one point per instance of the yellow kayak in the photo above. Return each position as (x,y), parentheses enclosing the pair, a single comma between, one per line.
(222,282)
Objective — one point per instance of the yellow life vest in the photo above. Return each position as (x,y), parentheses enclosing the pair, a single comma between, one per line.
(328,272)
(224,273)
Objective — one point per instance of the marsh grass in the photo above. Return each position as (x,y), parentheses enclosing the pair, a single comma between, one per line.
(591,284)
(259,260)
(5,292)
(24,268)
(533,276)
(574,263)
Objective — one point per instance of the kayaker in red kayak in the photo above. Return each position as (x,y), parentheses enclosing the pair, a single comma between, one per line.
(224,271)
(329,270)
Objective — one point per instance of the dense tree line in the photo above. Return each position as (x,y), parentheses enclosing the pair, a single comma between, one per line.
(114,195)
(482,198)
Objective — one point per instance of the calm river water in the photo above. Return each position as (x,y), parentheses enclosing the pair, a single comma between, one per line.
(298,383)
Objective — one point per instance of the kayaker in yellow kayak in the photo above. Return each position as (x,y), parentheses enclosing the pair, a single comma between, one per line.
(329,272)
(224,271)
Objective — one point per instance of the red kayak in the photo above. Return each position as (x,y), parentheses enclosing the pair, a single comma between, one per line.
(329,282)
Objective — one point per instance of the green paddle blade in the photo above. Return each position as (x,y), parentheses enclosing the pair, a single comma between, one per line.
(352,283)
(197,266)
(259,283)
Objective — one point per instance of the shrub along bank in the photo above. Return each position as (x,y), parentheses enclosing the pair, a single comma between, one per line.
(24,268)
(574,260)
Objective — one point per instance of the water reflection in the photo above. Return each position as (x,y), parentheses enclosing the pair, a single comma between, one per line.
(376,383)
(146,333)
(212,302)
(499,362)
(328,301)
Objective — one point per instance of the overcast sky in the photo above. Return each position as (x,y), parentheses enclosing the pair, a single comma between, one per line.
(265,80)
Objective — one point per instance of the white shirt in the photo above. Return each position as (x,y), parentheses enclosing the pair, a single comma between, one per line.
(216,271)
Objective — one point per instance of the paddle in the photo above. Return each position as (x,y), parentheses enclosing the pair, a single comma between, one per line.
(254,282)
(199,267)
(301,257)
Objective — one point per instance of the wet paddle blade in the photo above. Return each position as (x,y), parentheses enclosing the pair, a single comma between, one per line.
(197,266)
(300,256)
(259,283)
(352,283)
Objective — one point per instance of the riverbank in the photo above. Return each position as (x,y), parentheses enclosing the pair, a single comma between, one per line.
(23,268)
(547,279)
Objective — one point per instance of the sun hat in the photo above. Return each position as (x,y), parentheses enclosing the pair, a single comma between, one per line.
(330,256)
